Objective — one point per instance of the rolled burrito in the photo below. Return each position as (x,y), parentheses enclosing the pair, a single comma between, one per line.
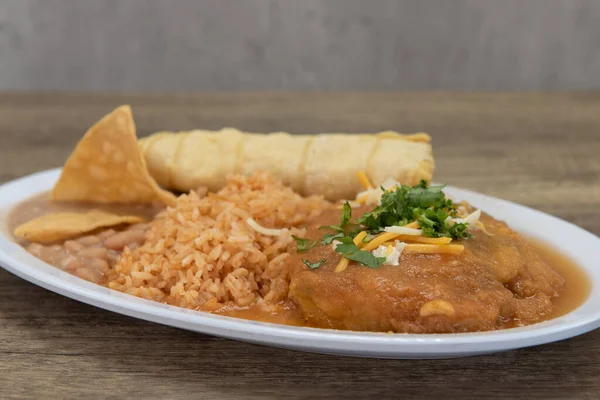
(325,164)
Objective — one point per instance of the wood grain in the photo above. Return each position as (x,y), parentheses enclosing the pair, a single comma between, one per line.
(537,149)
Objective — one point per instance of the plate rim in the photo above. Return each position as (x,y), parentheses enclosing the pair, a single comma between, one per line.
(372,344)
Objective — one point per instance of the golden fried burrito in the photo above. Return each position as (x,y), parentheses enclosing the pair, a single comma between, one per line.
(324,164)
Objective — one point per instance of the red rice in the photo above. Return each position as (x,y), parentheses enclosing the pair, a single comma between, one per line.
(203,250)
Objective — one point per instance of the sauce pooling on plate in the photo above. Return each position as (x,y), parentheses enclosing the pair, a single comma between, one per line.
(92,256)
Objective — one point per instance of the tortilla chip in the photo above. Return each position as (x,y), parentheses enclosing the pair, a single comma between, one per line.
(65,225)
(107,166)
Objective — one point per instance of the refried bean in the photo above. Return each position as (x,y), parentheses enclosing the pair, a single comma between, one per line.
(91,257)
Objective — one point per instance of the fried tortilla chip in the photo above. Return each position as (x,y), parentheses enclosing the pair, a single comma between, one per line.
(107,166)
(65,225)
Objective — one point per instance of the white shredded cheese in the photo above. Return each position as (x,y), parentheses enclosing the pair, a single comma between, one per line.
(391,253)
(335,243)
(473,217)
(402,230)
(354,204)
(390,183)
(470,219)
(380,251)
(370,196)
(261,229)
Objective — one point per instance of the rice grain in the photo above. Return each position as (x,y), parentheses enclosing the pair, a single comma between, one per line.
(201,253)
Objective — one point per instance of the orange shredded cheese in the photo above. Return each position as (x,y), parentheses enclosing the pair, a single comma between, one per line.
(423,239)
(386,236)
(362,177)
(378,240)
(342,265)
(358,238)
(363,198)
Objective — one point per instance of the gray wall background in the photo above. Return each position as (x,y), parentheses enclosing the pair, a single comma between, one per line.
(159,45)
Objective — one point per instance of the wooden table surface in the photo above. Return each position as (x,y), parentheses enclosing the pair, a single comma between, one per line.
(541,150)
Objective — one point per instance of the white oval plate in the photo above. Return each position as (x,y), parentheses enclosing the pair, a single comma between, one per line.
(575,242)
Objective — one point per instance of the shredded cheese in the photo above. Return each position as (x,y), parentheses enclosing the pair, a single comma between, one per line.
(403,230)
(385,236)
(471,219)
(362,177)
(335,244)
(481,226)
(390,184)
(352,203)
(378,240)
(423,239)
(434,248)
(391,252)
(261,229)
(369,196)
(362,197)
(372,195)
(358,238)
(342,265)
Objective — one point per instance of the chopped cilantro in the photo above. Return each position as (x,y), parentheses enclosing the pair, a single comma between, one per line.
(336,228)
(435,224)
(368,238)
(422,184)
(313,265)
(346,214)
(304,244)
(354,232)
(330,237)
(346,217)
(349,250)
(460,231)
(419,197)
(426,204)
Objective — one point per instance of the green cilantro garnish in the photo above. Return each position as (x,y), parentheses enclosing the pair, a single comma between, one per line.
(313,265)
(349,250)
(303,244)
(330,237)
(346,214)
(422,203)
(354,232)
(460,231)
(346,217)
(422,184)
(333,227)
(368,238)
(435,224)
(427,205)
